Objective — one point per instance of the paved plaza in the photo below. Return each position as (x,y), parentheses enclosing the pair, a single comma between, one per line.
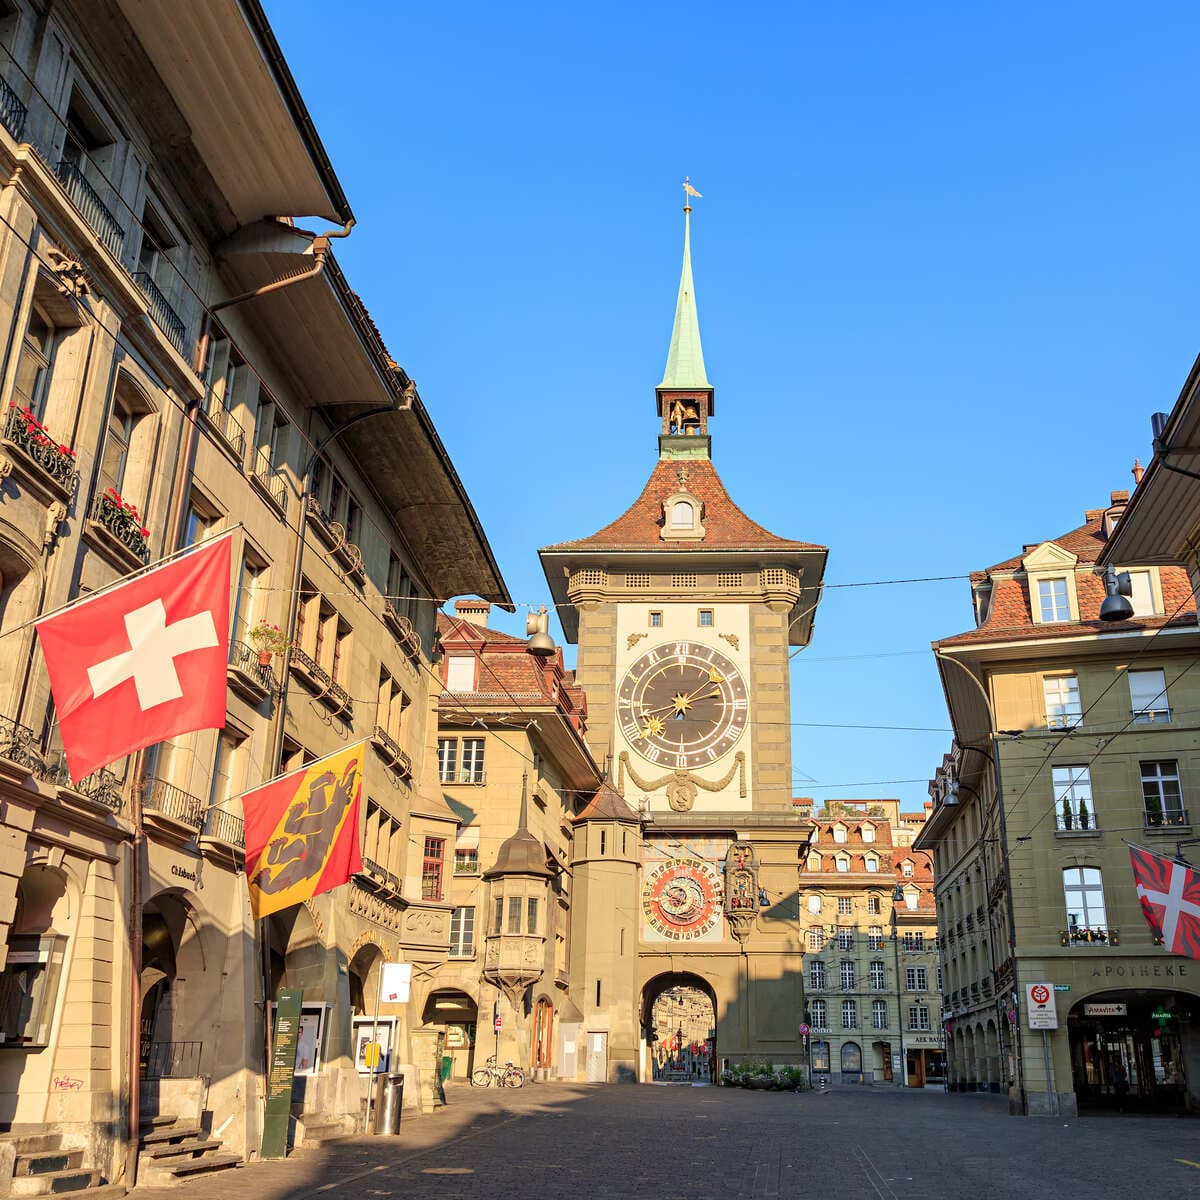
(668,1143)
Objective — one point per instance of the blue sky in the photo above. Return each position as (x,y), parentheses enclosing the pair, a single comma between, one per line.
(943,265)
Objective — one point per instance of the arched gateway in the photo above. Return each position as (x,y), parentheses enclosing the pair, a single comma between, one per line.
(679,1024)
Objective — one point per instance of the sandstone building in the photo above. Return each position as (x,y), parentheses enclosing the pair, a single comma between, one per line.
(1073,737)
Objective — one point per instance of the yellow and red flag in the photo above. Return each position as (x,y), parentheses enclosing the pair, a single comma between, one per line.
(302,831)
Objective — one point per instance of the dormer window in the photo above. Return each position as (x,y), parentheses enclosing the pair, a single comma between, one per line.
(1053,602)
(460,673)
(1052,593)
(683,517)
(868,833)
(839,833)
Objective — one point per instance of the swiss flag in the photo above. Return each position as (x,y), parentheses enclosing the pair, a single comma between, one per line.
(1169,893)
(143,662)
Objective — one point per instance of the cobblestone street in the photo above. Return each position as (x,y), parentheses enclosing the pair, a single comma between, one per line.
(555,1141)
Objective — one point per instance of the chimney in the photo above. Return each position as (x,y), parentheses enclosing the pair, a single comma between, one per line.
(1121,497)
(475,611)
(1138,471)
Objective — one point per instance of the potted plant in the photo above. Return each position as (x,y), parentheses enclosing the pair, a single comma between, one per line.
(268,640)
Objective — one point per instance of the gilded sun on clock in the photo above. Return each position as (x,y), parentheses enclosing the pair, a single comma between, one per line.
(682,704)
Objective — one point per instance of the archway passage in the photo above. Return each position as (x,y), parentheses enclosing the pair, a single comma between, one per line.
(680,1024)
(456,1016)
(1130,1051)
(175,1000)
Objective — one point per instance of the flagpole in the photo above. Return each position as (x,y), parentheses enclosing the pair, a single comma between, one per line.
(116,583)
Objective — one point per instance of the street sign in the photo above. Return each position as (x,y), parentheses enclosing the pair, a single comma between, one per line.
(1062,987)
(499,1023)
(396,981)
(803,1030)
(1039,1006)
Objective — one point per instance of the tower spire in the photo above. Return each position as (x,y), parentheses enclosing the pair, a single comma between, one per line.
(685,358)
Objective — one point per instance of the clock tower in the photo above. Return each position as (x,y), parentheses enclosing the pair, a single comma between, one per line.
(686,612)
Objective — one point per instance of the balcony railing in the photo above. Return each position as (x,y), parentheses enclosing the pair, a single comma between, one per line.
(466,865)
(1077,819)
(227,425)
(244,658)
(226,827)
(391,750)
(1063,720)
(91,207)
(27,434)
(102,787)
(1151,715)
(164,316)
(269,480)
(174,802)
(125,528)
(471,775)
(1080,935)
(12,111)
(18,745)
(1166,818)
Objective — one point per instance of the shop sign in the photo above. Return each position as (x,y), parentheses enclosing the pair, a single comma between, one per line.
(1161,1014)
(1105,1010)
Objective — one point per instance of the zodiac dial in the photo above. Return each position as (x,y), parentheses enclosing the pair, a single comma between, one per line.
(682,704)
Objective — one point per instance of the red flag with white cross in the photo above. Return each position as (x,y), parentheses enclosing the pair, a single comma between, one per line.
(1169,893)
(143,662)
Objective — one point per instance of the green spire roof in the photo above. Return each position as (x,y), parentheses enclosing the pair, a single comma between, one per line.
(685,359)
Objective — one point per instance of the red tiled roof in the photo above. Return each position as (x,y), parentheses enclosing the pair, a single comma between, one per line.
(726,527)
(1010,613)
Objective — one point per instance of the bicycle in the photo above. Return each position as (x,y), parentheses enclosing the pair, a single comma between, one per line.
(505,1076)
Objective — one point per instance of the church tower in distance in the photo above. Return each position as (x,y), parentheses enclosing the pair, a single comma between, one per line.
(685,612)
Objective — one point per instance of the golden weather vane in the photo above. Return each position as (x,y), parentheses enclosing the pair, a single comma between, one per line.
(688,191)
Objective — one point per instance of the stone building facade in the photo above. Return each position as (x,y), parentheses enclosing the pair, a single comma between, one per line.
(870,939)
(1073,737)
(150,402)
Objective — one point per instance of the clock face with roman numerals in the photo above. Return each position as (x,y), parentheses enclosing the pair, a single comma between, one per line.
(682,705)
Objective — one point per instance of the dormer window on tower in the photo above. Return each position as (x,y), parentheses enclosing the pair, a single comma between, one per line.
(683,517)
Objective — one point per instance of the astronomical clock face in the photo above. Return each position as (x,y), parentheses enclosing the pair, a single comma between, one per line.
(682,898)
(682,704)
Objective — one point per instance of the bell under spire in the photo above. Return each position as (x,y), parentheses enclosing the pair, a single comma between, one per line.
(685,358)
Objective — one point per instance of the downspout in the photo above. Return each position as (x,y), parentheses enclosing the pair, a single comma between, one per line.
(320,248)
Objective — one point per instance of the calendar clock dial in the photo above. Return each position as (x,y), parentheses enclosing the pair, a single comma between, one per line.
(682,705)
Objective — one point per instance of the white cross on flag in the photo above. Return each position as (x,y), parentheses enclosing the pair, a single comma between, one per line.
(1169,893)
(143,662)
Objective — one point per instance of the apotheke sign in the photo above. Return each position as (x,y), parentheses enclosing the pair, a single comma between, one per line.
(1105,1010)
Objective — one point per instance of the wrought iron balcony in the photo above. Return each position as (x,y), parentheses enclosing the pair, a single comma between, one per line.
(101,787)
(91,206)
(1166,818)
(126,527)
(245,660)
(1080,935)
(270,481)
(1079,819)
(164,316)
(18,745)
(174,802)
(12,111)
(28,434)
(226,827)
(1064,719)
(391,750)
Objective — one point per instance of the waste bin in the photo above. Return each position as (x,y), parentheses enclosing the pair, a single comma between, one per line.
(388,1114)
(447,1066)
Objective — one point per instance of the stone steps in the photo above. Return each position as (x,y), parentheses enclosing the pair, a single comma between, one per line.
(172,1151)
(42,1162)
(53,1183)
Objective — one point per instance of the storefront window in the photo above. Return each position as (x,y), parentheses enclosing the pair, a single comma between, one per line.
(29,988)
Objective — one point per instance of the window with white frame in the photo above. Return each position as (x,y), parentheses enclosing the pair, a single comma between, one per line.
(462,932)
(868,833)
(877,975)
(1148,696)
(843,863)
(1162,794)
(871,862)
(849,1014)
(1073,805)
(816,975)
(906,867)
(916,979)
(1061,694)
(1083,890)
(466,851)
(471,770)
(846,976)
(839,833)
(914,940)
(817,1011)
(875,937)
(845,906)
(911,898)
(874,905)
(918,1016)
(814,904)
(816,938)
(879,1015)
(447,760)
(1053,600)
(845,938)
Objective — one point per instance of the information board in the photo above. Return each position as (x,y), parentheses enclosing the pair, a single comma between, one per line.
(282,1073)
(1040,1007)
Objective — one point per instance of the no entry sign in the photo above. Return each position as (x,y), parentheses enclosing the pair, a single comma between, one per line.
(1039,1006)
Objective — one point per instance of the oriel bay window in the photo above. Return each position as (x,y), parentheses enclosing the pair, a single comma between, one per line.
(431,868)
